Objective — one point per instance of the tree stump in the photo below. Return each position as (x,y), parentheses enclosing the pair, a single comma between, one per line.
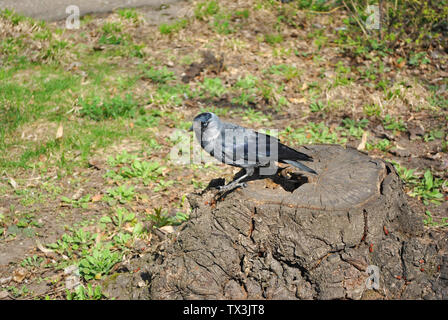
(315,238)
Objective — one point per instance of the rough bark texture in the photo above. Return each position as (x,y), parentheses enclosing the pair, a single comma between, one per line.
(314,241)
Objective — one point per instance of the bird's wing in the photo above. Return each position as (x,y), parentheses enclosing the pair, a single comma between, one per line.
(243,145)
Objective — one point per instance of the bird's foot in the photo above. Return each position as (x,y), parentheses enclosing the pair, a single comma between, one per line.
(232,186)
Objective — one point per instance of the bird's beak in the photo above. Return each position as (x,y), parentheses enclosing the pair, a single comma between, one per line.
(191,128)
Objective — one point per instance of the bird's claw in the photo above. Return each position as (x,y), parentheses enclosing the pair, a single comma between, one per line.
(231,187)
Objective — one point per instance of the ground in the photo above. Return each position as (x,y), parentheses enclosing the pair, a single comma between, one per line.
(89,119)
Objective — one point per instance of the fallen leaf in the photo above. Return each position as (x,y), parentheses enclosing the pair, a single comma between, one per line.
(167,229)
(362,144)
(13,183)
(97,197)
(19,274)
(297,100)
(59,132)
(42,248)
(401,63)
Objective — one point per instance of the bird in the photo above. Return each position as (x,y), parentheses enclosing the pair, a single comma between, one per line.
(243,147)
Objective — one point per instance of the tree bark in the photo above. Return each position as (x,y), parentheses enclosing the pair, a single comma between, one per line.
(301,238)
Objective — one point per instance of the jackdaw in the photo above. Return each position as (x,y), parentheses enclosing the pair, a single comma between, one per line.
(243,147)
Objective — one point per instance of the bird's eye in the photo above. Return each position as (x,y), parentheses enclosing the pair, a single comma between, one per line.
(204,124)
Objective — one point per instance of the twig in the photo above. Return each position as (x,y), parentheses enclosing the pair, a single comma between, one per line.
(354,16)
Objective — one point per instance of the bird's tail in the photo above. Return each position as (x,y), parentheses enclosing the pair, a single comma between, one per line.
(300,166)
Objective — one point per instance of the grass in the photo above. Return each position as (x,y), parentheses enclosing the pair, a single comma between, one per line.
(113,108)
(312,133)
(427,188)
(213,87)
(161,76)
(167,29)
(98,263)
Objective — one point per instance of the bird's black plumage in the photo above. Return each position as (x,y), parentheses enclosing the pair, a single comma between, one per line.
(243,147)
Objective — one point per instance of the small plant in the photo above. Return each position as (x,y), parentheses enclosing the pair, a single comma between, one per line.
(34,261)
(433,135)
(166,28)
(287,71)
(129,14)
(163,185)
(372,110)
(355,128)
(85,293)
(113,108)
(313,133)
(247,83)
(214,87)
(406,174)
(273,39)
(171,95)
(111,34)
(221,23)
(429,221)
(162,75)
(244,14)
(78,241)
(206,9)
(247,88)
(428,189)
(147,171)
(253,116)
(160,218)
(317,106)
(390,123)
(122,216)
(122,194)
(82,202)
(98,263)
(382,145)
(123,158)
(418,59)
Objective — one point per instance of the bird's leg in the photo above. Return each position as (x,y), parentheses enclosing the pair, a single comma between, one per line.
(236,183)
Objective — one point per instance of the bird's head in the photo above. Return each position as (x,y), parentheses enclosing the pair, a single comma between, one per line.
(202,121)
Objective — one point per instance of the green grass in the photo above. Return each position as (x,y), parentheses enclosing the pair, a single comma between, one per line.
(88,292)
(162,75)
(98,263)
(160,218)
(122,97)
(273,38)
(129,14)
(288,72)
(113,108)
(313,133)
(213,87)
(427,188)
(206,9)
(166,28)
